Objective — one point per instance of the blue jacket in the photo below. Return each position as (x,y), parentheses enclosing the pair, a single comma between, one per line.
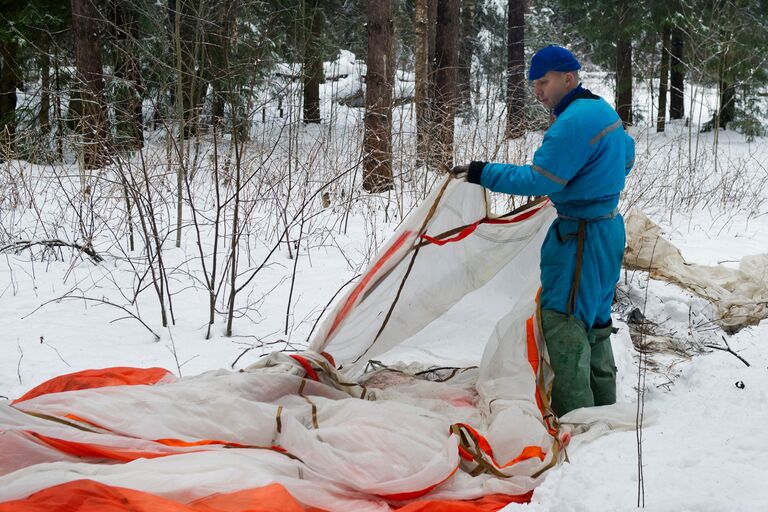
(581,164)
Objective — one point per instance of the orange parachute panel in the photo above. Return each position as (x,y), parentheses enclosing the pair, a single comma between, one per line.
(490,503)
(91,496)
(87,379)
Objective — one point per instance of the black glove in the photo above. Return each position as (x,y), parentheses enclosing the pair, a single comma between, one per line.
(459,172)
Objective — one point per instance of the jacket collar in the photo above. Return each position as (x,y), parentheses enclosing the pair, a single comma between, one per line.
(573,95)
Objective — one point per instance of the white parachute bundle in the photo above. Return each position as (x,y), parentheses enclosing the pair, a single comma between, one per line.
(453,283)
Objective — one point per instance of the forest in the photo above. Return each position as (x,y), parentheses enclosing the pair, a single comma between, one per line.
(204,202)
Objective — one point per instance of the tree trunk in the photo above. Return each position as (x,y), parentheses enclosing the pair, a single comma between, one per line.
(431,41)
(727,111)
(312,73)
(423,70)
(10,80)
(432,58)
(186,33)
(515,69)
(677,72)
(727,102)
(467,41)
(377,142)
(624,79)
(43,115)
(216,50)
(128,113)
(92,124)
(663,78)
(446,59)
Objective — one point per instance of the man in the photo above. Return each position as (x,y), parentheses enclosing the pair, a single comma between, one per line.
(581,166)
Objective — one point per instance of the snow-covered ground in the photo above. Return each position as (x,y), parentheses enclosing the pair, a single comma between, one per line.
(702,444)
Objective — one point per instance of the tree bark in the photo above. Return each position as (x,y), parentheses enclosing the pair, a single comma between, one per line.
(727,104)
(377,141)
(677,73)
(186,33)
(92,124)
(467,41)
(726,89)
(423,71)
(431,41)
(128,112)
(312,74)
(43,115)
(515,69)
(446,59)
(624,79)
(432,58)
(217,48)
(661,117)
(10,80)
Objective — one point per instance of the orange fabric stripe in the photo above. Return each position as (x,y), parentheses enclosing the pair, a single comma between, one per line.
(79,449)
(403,496)
(464,233)
(169,441)
(529,452)
(490,503)
(91,496)
(74,417)
(533,359)
(329,357)
(350,302)
(311,373)
(180,443)
(94,450)
(464,454)
(97,378)
(533,348)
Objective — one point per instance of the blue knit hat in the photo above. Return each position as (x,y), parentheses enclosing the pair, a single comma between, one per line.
(551,58)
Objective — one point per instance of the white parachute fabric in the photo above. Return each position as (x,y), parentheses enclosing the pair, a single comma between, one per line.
(283,428)
(451,278)
(739,296)
(486,280)
(411,283)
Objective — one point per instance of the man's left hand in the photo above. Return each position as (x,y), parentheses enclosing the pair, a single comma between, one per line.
(459,172)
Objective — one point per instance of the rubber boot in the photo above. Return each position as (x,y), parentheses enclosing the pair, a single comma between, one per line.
(603,367)
(569,356)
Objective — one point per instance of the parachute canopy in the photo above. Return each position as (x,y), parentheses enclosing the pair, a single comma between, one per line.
(391,407)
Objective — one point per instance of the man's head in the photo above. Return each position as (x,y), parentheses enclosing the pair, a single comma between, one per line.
(554,72)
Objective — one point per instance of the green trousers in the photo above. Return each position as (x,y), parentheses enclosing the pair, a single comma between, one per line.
(582,361)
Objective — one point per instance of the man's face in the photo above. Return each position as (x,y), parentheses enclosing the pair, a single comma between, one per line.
(552,87)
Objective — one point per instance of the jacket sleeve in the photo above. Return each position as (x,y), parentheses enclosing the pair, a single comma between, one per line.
(629,153)
(562,153)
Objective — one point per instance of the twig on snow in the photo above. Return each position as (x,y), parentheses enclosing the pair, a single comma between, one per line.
(728,349)
(43,342)
(100,301)
(21,245)
(18,365)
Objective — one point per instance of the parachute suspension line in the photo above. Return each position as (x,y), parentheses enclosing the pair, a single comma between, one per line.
(422,230)
(310,402)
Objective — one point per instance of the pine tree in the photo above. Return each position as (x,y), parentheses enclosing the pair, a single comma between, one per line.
(92,123)
(377,142)
(446,97)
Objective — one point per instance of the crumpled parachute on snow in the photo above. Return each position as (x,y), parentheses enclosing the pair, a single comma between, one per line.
(740,296)
(452,283)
